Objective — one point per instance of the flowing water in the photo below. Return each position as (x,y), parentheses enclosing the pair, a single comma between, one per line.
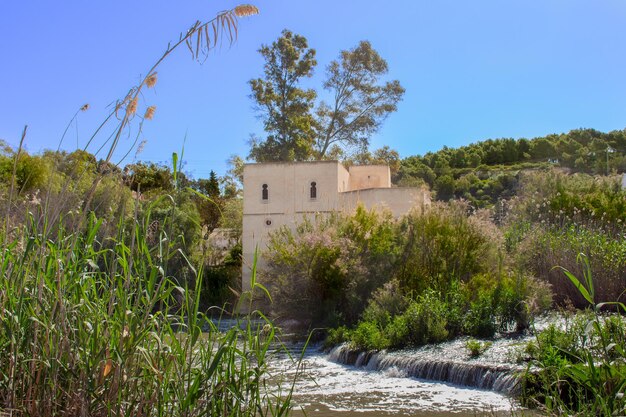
(440,380)
(403,383)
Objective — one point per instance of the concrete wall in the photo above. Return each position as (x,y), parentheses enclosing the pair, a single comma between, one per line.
(369,176)
(398,201)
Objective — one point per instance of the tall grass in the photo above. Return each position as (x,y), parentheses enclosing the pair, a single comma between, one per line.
(581,370)
(94,323)
(99,329)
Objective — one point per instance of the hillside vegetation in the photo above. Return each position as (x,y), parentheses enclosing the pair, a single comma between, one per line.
(487,171)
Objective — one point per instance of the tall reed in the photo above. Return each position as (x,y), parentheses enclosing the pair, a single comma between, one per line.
(100,330)
(581,370)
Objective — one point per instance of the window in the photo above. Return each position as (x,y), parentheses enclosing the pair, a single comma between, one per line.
(313,190)
(265,193)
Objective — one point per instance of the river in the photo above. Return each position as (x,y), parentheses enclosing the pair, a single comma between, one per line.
(435,380)
(326,387)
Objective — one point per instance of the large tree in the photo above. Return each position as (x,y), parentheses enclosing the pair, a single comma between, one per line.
(285,108)
(361,101)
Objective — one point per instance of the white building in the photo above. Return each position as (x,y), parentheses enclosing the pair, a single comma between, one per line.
(278,194)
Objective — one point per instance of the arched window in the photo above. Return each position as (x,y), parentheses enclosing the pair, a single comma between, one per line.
(265,193)
(313,190)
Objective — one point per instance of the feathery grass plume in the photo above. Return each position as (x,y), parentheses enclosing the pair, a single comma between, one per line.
(151,80)
(85,107)
(244,10)
(149,112)
(132,106)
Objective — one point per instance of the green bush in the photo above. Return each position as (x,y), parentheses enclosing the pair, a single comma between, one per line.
(325,270)
(397,332)
(476,348)
(444,245)
(426,320)
(337,336)
(580,369)
(368,336)
(386,303)
(480,320)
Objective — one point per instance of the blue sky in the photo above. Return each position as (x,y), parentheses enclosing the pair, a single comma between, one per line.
(472,69)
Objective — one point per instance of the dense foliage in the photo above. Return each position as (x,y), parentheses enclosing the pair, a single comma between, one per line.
(54,185)
(451,270)
(99,328)
(556,217)
(425,277)
(487,171)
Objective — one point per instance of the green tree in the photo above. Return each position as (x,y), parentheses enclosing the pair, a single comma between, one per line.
(30,171)
(381,156)
(210,203)
(361,102)
(285,108)
(148,176)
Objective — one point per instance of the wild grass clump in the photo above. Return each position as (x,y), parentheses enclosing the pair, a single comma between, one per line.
(99,329)
(545,247)
(476,348)
(581,368)
(558,216)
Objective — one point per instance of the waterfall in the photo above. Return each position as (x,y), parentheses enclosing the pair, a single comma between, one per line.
(423,364)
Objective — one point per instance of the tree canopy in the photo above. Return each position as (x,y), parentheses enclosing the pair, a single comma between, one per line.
(284,107)
(359,102)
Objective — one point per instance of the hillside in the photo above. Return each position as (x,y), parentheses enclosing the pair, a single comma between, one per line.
(486,171)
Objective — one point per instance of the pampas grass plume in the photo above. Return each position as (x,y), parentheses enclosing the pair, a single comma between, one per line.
(149,112)
(244,10)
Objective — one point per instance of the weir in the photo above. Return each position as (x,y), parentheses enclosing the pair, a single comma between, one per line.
(447,364)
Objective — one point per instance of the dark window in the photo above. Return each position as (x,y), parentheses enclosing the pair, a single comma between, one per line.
(313,189)
(265,193)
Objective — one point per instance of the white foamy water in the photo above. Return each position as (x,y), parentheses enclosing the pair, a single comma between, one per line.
(326,386)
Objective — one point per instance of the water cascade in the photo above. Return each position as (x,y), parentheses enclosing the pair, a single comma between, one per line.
(447,362)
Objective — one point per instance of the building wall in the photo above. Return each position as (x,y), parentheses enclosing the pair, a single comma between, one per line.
(398,201)
(289,198)
(369,176)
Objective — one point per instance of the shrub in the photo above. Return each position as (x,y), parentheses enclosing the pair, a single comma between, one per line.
(426,320)
(518,298)
(397,332)
(325,270)
(386,303)
(581,368)
(480,320)
(337,336)
(476,348)
(368,336)
(443,245)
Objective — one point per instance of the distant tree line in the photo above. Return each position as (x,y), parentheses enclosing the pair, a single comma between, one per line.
(486,171)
